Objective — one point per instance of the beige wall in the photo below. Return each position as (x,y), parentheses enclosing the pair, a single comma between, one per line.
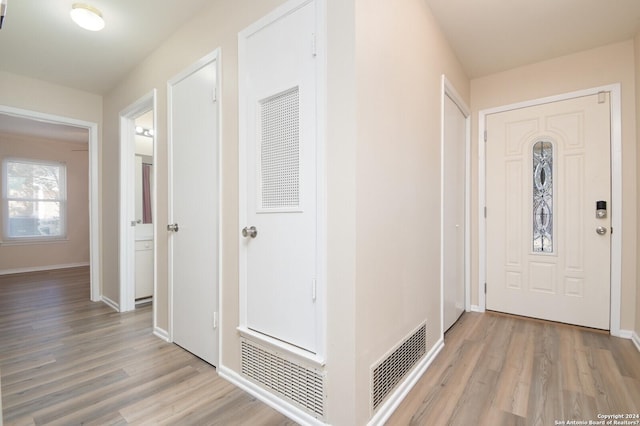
(383,115)
(35,95)
(609,64)
(216,26)
(75,249)
(400,57)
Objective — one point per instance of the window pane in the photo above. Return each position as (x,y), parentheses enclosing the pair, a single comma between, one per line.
(33,181)
(543,197)
(34,219)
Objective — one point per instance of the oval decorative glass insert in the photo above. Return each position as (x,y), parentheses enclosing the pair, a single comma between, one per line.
(543,197)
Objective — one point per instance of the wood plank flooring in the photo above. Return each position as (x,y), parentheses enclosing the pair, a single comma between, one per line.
(67,361)
(504,370)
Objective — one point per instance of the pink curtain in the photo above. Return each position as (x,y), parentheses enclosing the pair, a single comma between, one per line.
(146,193)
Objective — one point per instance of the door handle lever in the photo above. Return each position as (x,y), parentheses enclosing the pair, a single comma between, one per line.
(172,227)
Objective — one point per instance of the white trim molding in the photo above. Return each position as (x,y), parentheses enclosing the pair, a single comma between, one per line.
(402,390)
(635,338)
(278,404)
(161,333)
(113,305)
(616,192)
(42,268)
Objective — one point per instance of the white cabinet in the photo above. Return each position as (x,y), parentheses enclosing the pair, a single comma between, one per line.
(144,269)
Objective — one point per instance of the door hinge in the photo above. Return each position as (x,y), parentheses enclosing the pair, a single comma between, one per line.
(214,94)
(314,289)
(215,320)
(314,48)
(485,136)
(485,212)
(485,288)
(602,97)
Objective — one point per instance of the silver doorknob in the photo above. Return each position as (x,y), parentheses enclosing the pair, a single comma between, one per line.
(250,232)
(173,227)
(601,230)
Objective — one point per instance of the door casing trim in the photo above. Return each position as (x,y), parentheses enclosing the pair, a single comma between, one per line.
(616,193)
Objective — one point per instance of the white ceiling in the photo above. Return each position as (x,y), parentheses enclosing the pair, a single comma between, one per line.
(489,36)
(39,40)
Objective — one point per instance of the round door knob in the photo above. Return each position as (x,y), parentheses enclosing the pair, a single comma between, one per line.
(250,232)
(601,230)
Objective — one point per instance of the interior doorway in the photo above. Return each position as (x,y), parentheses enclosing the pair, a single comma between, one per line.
(45,119)
(137,203)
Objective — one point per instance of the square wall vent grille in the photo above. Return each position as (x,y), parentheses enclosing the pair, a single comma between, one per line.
(300,385)
(393,368)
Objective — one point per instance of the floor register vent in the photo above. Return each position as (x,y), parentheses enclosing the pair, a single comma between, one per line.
(301,385)
(389,371)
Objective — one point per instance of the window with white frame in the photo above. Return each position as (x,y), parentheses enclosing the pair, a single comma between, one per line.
(34,199)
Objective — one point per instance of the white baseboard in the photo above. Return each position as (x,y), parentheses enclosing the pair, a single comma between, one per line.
(163,334)
(476,308)
(394,400)
(42,268)
(636,340)
(623,334)
(292,412)
(110,303)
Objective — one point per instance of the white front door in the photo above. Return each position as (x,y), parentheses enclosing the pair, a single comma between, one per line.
(454,160)
(548,250)
(194,206)
(278,200)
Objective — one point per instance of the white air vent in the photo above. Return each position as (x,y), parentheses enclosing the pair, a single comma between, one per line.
(389,371)
(300,385)
(280,150)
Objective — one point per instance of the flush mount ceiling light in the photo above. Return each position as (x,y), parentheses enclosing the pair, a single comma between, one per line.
(87,17)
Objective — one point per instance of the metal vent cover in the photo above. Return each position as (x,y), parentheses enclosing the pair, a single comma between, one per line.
(301,385)
(389,371)
(280,150)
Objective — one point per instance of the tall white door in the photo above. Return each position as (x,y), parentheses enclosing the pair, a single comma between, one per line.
(194,211)
(548,249)
(454,156)
(278,247)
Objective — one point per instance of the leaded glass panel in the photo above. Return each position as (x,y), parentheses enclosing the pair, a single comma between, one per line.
(543,197)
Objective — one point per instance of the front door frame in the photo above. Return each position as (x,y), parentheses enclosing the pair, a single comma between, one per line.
(616,193)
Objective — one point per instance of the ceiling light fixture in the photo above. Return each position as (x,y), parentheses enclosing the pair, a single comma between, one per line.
(87,17)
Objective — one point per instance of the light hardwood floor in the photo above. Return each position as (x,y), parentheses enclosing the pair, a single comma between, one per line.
(65,360)
(504,370)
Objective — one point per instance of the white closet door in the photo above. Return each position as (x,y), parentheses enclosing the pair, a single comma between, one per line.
(453,214)
(194,210)
(278,112)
